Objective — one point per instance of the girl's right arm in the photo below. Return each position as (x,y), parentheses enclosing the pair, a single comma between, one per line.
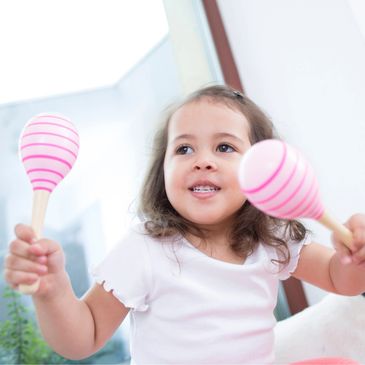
(74,328)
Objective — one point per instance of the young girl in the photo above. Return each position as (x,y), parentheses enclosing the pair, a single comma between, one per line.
(200,274)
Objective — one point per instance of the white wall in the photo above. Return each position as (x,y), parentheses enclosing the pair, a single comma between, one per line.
(303,62)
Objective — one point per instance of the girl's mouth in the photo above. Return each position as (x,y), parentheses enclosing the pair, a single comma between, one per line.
(204,189)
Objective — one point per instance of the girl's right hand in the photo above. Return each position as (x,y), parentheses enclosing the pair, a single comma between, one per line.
(29,260)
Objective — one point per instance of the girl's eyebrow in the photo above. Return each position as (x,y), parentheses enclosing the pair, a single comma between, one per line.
(183,136)
(216,135)
(228,135)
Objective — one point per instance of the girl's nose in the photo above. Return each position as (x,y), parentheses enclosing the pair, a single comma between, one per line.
(205,165)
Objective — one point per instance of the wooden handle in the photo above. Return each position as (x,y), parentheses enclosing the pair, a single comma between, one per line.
(40,201)
(343,232)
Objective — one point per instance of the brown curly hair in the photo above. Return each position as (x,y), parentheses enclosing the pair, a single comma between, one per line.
(251,226)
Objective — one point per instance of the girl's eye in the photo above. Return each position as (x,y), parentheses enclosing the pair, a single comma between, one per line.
(184,150)
(224,147)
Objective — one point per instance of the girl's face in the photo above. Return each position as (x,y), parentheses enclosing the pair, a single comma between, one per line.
(206,142)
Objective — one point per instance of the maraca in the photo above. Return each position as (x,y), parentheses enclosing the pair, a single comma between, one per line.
(48,147)
(278,180)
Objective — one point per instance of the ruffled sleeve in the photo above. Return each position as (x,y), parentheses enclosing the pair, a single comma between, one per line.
(294,249)
(126,270)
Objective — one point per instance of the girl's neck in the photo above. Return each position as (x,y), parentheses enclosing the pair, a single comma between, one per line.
(220,240)
(214,236)
(215,245)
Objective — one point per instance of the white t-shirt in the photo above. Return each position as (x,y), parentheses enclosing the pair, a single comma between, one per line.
(189,308)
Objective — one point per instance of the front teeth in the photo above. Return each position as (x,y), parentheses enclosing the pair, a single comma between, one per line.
(204,189)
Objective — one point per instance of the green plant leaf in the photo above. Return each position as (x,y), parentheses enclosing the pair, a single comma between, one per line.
(20,340)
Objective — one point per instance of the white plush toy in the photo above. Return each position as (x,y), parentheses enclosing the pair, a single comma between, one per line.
(334,327)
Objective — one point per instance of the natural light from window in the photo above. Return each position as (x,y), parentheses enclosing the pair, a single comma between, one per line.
(51,48)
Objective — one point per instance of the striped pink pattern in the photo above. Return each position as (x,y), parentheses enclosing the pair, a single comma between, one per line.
(277,180)
(48,147)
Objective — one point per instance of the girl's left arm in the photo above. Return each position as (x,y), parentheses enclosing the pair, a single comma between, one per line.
(337,270)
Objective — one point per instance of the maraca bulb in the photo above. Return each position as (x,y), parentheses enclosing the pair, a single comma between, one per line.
(277,180)
(48,147)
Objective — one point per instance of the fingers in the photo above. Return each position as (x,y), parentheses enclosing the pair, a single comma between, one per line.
(26,262)
(359,237)
(44,247)
(19,270)
(22,249)
(25,233)
(356,221)
(17,263)
(15,278)
(19,248)
(356,224)
(356,254)
(358,257)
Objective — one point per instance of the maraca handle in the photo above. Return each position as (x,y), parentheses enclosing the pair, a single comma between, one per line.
(40,201)
(343,232)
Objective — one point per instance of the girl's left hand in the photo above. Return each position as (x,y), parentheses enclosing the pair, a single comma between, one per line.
(356,224)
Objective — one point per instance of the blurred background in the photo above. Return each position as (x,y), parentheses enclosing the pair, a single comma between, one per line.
(112,67)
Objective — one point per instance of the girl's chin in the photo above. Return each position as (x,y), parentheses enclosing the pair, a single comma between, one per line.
(206,222)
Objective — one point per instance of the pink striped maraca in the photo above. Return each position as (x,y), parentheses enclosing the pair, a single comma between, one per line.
(48,147)
(278,180)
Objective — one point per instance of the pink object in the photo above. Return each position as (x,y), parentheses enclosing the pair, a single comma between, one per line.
(279,181)
(48,147)
(327,361)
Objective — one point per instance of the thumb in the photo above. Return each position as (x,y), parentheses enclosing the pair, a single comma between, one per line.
(356,224)
(50,252)
(44,247)
(343,251)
